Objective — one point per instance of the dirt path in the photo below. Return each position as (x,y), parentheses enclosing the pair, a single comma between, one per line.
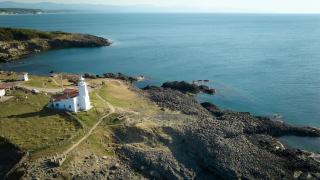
(112,110)
(47,90)
(54,81)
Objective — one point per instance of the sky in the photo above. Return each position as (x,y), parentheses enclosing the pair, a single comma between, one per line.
(263,6)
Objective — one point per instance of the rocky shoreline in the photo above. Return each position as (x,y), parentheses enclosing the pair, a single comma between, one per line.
(233,145)
(18,43)
(192,140)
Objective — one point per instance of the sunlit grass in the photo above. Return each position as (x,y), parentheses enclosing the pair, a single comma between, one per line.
(25,121)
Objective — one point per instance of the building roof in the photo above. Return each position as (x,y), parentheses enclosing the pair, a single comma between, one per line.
(66,94)
(7,85)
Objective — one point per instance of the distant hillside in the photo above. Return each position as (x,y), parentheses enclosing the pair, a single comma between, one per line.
(17,43)
(78,7)
(4,11)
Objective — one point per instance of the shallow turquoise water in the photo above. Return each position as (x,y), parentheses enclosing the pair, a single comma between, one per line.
(258,63)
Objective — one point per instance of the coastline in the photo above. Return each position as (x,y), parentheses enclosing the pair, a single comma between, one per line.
(227,143)
(290,143)
(256,137)
(19,43)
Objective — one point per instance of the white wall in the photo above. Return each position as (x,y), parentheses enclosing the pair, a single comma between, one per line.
(84,99)
(66,104)
(24,77)
(2,92)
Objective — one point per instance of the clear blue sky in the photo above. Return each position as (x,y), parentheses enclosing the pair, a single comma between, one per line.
(272,6)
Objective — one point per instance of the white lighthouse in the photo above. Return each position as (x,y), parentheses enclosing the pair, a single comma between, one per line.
(73,100)
(83,98)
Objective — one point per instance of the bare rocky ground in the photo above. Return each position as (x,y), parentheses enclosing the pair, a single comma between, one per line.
(86,165)
(186,140)
(9,156)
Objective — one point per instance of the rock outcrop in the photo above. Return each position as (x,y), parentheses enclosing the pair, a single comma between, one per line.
(10,154)
(185,140)
(186,87)
(225,144)
(18,43)
(120,76)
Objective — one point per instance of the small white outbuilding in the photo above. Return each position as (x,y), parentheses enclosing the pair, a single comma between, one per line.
(24,76)
(2,92)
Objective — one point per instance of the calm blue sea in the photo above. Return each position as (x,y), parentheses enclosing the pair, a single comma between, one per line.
(264,64)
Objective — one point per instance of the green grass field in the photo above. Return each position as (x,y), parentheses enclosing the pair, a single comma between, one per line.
(41,82)
(98,110)
(25,121)
(120,96)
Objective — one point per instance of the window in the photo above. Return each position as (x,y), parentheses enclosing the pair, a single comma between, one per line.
(69,106)
(57,105)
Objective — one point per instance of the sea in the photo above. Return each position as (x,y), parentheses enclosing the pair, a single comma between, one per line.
(258,63)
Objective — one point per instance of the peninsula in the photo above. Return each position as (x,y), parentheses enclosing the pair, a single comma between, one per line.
(18,43)
(15,11)
(129,133)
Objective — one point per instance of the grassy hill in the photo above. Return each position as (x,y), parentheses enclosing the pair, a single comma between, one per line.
(11,34)
(17,43)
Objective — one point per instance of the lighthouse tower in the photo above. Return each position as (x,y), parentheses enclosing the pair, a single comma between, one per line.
(83,98)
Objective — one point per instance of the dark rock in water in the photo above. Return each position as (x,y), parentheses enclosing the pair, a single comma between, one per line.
(89,76)
(186,87)
(262,125)
(277,128)
(182,86)
(212,108)
(206,89)
(120,76)
(150,87)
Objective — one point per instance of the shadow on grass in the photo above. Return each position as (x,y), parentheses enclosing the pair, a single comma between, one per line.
(45,112)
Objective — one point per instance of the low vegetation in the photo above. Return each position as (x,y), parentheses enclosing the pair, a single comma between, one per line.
(173,137)
(25,121)
(18,43)
(10,34)
(42,82)
(120,96)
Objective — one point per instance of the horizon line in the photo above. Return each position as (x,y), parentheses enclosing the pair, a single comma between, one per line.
(159,9)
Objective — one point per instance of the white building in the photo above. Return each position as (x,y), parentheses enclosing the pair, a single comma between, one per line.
(24,76)
(2,92)
(5,87)
(73,100)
